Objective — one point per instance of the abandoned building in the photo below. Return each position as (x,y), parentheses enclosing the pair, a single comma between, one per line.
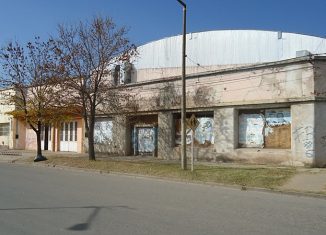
(258,96)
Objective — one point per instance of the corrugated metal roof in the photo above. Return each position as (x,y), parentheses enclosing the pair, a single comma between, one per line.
(227,47)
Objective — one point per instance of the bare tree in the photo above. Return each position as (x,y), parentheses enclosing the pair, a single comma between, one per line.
(30,72)
(88,52)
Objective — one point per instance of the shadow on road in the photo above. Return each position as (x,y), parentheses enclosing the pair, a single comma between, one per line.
(87,224)
(80,226)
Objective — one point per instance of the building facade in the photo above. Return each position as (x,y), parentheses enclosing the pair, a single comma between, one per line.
(257,96)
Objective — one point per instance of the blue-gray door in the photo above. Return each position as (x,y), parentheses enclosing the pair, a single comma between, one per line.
(146,139)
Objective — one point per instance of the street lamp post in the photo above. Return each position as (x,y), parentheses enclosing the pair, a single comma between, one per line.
(183,97)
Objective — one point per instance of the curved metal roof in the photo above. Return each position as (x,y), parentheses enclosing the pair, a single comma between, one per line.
(227,47)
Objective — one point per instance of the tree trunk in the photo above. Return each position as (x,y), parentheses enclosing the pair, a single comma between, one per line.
(91,149)
(46,137)
(39,156)
(38,138)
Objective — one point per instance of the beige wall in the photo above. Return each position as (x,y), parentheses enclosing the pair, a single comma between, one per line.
(281,83)
(19,129)
(27,137)
(143,75)
(80,135)
(30,139)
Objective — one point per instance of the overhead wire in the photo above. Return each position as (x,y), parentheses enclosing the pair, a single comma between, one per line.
(229,90)
(218,82)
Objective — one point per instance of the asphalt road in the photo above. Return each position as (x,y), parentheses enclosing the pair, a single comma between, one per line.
(39,200)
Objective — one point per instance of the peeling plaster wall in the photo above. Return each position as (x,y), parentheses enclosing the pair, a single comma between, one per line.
(120,143)
(225,130)
(142,75)
(165,141)
(282,83)
(303,132)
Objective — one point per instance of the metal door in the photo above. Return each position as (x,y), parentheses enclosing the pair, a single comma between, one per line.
(145,140)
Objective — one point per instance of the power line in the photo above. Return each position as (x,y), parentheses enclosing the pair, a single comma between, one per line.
(243,88)
(220,82)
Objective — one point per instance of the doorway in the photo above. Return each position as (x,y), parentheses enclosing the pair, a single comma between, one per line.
(68,137)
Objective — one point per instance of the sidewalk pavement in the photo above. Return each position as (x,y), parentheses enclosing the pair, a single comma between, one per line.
(307,180)
(311,180)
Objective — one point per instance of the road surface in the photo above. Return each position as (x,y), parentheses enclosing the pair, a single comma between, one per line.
(41,200)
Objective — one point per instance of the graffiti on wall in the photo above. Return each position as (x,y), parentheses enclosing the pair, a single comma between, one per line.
(305,136)
(278,117)
(145,139)
(251,128)
(204,133)
(103,131)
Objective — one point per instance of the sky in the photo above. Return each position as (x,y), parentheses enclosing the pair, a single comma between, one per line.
(149,20)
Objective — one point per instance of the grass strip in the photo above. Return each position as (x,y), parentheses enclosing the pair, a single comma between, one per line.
(258,176)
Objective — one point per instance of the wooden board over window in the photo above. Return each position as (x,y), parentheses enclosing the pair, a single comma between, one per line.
(280,137)
(278,128)
(265,128)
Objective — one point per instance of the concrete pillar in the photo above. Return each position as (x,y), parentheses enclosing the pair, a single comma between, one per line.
(165,137)
(320,134)
(225,131)
(121,135)
(303,132)
(56,139)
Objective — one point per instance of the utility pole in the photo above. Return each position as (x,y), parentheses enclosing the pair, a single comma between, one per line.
(183,97)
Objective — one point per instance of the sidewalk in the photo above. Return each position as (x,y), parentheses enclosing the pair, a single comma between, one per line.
(10,155)
(307,180)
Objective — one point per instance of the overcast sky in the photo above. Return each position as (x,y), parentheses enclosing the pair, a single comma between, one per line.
(150,20)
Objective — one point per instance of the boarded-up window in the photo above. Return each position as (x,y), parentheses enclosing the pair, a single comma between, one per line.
(204,133)
(145,139)
(103,131)
(278,128)
(266,128)
(251,127)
